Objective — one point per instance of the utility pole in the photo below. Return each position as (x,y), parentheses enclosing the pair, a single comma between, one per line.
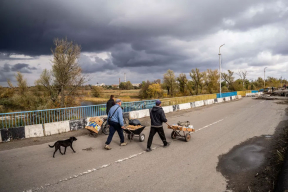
(220,68)
(264,76)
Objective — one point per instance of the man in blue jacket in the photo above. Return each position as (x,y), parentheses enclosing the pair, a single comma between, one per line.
(157,117)
(115,120)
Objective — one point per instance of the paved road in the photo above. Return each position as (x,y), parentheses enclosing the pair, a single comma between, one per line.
(182,166)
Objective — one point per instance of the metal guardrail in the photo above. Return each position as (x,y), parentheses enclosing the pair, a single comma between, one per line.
(23,118)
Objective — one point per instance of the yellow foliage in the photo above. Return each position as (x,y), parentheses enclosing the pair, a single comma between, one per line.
(154,91)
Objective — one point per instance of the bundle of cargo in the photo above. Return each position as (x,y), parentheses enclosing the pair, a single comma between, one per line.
(133,127)
(181,126)
(94,125)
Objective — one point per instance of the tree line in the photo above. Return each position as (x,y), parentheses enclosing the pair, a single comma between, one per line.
(205,82)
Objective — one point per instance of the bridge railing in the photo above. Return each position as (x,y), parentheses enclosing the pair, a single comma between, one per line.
(23,118)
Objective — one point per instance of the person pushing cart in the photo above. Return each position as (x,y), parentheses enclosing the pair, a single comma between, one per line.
(157,117)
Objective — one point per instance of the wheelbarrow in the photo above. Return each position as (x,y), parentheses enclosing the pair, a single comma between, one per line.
(131,133)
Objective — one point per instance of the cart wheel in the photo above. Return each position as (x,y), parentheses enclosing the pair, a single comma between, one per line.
(141,137)
(173,135)
(105,127)
(130,136)
(187,137)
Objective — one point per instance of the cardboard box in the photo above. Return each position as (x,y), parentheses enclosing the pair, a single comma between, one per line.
(94,124)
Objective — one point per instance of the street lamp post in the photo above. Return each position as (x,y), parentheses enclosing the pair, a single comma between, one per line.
(264,76)
(220,68)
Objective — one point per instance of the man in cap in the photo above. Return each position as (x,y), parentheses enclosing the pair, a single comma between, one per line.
(157,117)
(115,120)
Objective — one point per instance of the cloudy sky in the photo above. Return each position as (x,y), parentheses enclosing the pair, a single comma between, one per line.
(144,38)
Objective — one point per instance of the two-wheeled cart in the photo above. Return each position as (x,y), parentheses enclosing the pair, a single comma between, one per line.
(177,132)
(135,131)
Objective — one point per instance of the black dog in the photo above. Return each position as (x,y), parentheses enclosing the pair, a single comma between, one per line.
(65,143)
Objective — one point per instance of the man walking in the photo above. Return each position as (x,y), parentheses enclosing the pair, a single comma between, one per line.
(115,120)
(110,103)
(157,117)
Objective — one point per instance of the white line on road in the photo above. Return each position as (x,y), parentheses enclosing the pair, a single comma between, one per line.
(209,125)
(106,165)
(262,101)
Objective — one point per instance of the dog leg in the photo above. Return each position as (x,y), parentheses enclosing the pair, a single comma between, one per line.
(65,150)
(60,151)
(55,152)
(72,149)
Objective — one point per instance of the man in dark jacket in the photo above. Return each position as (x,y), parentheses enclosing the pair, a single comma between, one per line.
(110,103)
(157,117)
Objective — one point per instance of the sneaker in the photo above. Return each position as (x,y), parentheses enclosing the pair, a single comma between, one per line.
(107,147)
(166,145)
(148,149)
(123,144)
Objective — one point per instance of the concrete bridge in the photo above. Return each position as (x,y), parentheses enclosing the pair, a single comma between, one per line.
(27,165)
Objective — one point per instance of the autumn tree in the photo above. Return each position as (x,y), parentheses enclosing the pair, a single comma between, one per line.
(259,83)
(182,79)
(198,80)
(242,75)
(126,85)
(272,82)
(63,81)
(96,91)
(157,81)
(25,98)
(228,78)
(170,82)
(211,79)
(154,91)
(143,91)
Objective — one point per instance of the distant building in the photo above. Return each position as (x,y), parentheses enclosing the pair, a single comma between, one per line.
(115,86)
(99,85)
(136,84)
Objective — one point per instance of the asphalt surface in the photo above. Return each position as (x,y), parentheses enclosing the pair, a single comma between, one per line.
(183,166)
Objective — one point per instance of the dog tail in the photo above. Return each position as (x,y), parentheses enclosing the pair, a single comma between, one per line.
(51,146)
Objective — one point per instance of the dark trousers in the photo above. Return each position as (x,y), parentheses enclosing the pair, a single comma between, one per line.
(160,132)
(113,128)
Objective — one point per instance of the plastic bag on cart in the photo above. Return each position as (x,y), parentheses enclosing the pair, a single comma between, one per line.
(184,123)
(134,122)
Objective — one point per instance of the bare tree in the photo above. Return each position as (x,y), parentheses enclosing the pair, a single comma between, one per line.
(66,75)
(242,75)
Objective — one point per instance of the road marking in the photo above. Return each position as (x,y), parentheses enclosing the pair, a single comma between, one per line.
(106,165)
(209,125)
(262,101)
(87,172)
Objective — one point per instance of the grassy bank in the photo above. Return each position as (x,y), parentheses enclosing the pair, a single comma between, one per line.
(124,95)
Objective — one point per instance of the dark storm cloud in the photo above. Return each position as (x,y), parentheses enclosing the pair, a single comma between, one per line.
(29,26)
(98,65)
(140,35)
(21,67)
